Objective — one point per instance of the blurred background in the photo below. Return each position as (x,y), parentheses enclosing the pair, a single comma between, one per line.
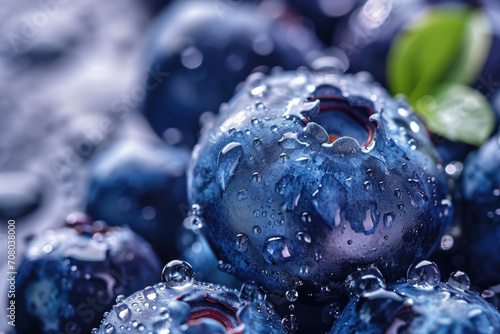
(102,101)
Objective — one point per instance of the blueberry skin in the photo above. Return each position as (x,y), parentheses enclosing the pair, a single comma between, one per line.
(197,308)
(481,217)
(141,185)
(195,250)
(403,308)
(286,208)
(199,51)
(68,278)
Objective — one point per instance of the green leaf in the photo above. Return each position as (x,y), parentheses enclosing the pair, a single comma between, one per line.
(459,113)
(447,44)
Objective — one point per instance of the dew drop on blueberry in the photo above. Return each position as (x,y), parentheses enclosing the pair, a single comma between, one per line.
(241,242)
(178,274)
(227,162)
(364,280)
(149,293)
(389,219)
(424,275)
(291,295)
(459,280)
(278,250)
(120,298)
(123,312)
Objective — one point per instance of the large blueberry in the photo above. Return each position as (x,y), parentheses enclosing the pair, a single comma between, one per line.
(141,185)
(201,50)
(181,305)
(420,305)
(481,218)
(70,276)
(305,176)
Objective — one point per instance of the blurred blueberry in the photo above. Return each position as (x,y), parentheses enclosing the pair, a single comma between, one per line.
(70,276)
(141,185)
(481,217)
(200,51)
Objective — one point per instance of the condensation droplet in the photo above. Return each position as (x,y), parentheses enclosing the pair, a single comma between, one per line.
(459,280)
(424,274)
(364,280)
(241,242)
(178,274)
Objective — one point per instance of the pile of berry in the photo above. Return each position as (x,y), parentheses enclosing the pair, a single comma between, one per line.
(260,161)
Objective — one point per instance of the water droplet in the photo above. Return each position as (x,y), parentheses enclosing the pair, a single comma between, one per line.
(255,121)
(389,219)
(290,141)
(367,185)
(227,163)
(123,312)
(303,236)
(306,218)
(364,280)
(108,328)
(119,298)
(381,185)
(256,213)
(291,307)
(401,206)
(256,229)
(413,144)
(397,192)
(278,250)
(424,274)
(459,280)
(257,142)
(256,177)
(241,242)
(260,106)
(274,129)
(149,292)
(193,222)
(291,295)
(304,270)
(349,242)
(178,274)
(242,195)
(446,242)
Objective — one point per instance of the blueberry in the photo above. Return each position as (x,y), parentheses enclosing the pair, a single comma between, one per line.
(200,51)
(141,185)
(181,305)
(422,304)
(306,176)
(481,217)
(70,276)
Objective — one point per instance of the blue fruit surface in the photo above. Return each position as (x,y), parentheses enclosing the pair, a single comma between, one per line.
(181,305)
(420,305)
(70,276)
(481,217)
(142,185)
(306,176)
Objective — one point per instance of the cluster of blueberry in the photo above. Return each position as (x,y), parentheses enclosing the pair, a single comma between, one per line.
(313,201)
